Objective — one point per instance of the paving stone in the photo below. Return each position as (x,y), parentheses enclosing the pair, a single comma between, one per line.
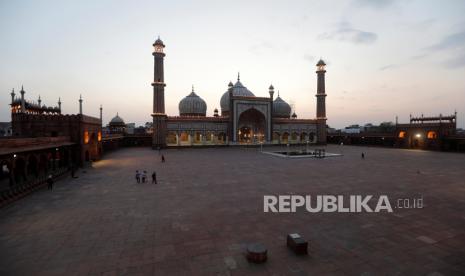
(208,205)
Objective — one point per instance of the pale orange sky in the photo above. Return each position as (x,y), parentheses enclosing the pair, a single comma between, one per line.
(385,58)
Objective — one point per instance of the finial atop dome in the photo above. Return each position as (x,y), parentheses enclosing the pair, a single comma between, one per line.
(238,76)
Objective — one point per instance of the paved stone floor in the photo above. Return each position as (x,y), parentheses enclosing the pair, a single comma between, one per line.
(209,204)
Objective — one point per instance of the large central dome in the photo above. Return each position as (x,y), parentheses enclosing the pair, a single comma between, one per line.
(192,105)
(238,89)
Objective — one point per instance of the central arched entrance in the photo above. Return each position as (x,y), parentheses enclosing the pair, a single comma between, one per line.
(251,126)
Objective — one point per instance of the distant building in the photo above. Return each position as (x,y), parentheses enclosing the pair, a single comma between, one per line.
(436,133)
(130,128)
(352,129)
(117,125)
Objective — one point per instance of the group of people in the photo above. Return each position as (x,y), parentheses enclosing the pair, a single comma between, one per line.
(141,177)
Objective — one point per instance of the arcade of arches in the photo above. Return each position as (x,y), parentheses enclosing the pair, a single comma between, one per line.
(192,138)
(23,167)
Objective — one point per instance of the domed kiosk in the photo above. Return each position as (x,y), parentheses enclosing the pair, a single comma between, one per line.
(117,125)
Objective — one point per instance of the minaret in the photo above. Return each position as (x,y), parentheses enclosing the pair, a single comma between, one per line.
(101,113)
(23,101)
(39,101)
(159,116)
(321,102)
(12,96)
(271,91)
(80,104)
(59,105)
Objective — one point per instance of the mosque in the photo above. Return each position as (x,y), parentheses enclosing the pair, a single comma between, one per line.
(244,119)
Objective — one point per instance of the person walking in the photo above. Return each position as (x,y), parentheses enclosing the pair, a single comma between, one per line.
(144,176)
(163,158)
(154,177)
(50,182)
(137,176)
(363,155)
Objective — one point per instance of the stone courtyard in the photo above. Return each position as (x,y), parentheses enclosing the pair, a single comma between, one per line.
(208,205)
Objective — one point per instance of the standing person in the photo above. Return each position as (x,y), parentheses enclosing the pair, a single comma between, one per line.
(154,177)
(144,176)
(363,155)
(50,182)
(163,158)
(137,176)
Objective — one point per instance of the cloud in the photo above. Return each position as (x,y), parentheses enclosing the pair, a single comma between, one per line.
(344,32)
(418,57)
(262,46)
(389,66)
(454,44)
(373,4)
(453,41)
(309,58)
(456,62)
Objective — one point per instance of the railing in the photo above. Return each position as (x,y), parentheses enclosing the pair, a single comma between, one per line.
(18,191)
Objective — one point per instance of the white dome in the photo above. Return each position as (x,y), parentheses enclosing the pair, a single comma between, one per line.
(117,120)
(238,90)
(192,105)
(281,109)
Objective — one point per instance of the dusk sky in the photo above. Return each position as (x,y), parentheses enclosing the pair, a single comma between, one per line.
(385,57)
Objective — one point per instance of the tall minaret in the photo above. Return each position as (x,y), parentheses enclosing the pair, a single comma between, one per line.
(23,101)
(12,96)
(159,116)
(59,105)
(101,113)
(80,104)
(321,102)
